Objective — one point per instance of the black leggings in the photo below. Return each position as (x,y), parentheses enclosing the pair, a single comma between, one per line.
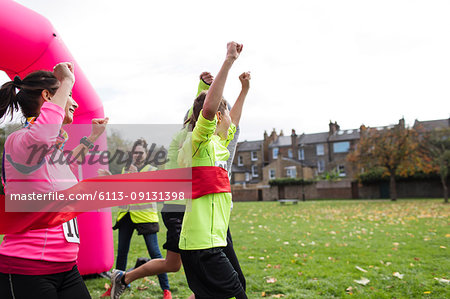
(231,255)
(65,285)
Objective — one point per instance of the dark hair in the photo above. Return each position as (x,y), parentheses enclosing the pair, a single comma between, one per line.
(198,106)
(141,142)
(28,97)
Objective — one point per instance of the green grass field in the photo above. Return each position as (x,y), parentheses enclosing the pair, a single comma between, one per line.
(313,249)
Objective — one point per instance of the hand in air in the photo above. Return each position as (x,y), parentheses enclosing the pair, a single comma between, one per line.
(64,70)
(245,80)
(98,126)
(233,50)
(207,77)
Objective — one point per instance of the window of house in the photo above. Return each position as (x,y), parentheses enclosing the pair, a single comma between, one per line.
(291,172)
(290,155)
(247,176)
(254,171)
(254,156)
(240,161)
(341,169)
(320,150)
(275,152)
(321,166)
(301,154)
(341,147)
(272,174)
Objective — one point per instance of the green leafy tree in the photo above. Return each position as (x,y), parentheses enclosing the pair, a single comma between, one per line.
(331,176)
(118,147)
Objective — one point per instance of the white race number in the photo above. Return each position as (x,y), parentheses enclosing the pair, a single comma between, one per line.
(71,231)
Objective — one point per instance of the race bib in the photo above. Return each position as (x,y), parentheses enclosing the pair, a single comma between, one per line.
(71,231)
(222,164)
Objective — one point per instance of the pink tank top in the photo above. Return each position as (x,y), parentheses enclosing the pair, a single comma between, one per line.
(56,244)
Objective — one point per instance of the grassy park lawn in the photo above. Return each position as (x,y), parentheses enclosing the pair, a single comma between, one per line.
(319,249)
(313,249)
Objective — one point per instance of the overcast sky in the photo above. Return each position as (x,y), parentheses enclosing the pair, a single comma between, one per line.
(354,62)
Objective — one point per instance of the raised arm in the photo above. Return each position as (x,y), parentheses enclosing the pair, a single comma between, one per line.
(205,82)
(236,111)
(215,92)
(64,73)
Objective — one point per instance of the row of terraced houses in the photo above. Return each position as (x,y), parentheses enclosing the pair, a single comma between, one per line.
(301,155)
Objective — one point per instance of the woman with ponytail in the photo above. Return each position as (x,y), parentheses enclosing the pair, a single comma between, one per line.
(41,263)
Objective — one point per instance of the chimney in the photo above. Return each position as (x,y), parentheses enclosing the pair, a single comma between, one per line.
(334,128)
(267,141)
(294,144)
(273,135)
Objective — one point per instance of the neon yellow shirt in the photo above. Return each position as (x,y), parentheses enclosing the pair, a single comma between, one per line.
(143,212)
(206,218)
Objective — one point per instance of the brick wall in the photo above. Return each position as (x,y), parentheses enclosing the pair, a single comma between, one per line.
(245,194)
(411,189)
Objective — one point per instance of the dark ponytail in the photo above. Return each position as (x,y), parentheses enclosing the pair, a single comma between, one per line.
(8,99)
(29,96)
(198,106)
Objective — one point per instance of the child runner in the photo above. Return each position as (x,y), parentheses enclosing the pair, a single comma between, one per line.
(203,237)
(172,213)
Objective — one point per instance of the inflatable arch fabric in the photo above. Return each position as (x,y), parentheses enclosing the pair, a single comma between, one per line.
(28,42)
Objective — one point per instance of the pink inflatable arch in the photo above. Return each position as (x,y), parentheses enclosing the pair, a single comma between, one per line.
(28,42)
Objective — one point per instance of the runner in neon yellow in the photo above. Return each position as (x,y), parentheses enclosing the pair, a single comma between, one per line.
(204,232)
(172,215)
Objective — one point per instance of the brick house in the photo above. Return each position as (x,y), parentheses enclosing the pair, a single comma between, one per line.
(248,163)
(286,168)
(281,146)
(322,152)
(328,150)
(282,160)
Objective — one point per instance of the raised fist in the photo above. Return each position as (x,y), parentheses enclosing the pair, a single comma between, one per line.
(245,80)
(233,50)
(207,77)
(64,70)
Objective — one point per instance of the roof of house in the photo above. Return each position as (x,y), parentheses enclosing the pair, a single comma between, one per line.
(312,138)
(246,146)
(324,137)
(302,162)
(281,141)
(342,135)
(292,160)
(433,124)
